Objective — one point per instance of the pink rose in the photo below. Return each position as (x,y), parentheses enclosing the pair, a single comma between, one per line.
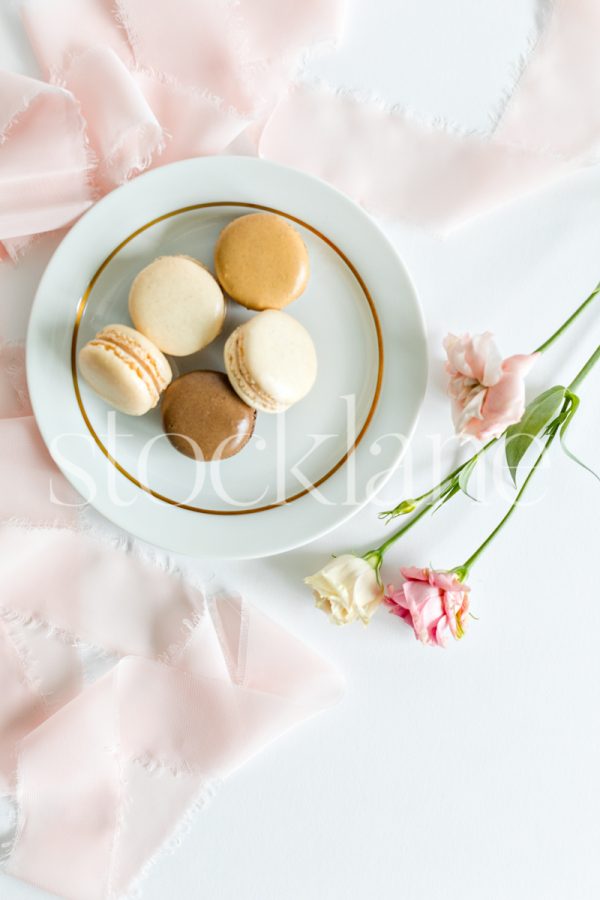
(434,603)
(488,393)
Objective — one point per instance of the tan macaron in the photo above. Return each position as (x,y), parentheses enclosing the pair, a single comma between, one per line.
(125,369)
(177,303)
(271,361)
(261,261)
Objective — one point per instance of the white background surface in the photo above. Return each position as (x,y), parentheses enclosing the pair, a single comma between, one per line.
(471,773)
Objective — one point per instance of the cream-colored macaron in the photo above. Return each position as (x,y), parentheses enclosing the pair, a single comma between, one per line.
(177,303)
(125,369)
(271,361)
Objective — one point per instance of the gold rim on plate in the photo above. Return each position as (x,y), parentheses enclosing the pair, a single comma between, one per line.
(226,512)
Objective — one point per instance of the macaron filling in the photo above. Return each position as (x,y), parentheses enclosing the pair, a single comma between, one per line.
(271,361)
(132,363)
(131,355)
(246,386)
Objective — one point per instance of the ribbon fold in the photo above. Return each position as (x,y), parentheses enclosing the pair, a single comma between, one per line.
(127,696)
(132,86)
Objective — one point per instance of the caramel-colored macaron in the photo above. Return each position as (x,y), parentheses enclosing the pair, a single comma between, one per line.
(204,418)
(261,261)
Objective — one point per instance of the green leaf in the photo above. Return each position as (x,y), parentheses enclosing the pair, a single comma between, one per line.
(464,476)
(574,400)
(576,459)
(447,495)
(538,415)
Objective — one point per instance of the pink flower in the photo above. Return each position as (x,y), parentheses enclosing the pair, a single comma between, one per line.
(434,603)
(488,393)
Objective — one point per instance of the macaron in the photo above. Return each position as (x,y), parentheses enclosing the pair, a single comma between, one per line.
(126,369)
(204,418)
(271,361)
(261,261)
(177,303)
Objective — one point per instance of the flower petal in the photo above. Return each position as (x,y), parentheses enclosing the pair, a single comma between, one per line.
(455,351)
(346,588)
(441,633)
(397,609)
(520,364)
(473,409)
(426,609)
(413,573)
(447,581)
(483,359)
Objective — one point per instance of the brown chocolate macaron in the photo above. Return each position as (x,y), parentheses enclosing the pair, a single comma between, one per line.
(204,418)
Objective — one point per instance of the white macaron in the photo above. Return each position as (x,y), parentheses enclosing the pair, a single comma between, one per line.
(177,303)
(271,361)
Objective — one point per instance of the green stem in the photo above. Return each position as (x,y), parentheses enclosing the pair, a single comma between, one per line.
(456,471)
(585,370)
(392,513)
(569,321)
(463,571)
(382,549)
(437,490)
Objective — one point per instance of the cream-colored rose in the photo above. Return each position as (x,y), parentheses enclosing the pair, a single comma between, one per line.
(346,589)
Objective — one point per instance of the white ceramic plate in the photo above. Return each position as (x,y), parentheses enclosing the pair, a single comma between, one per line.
(305,471)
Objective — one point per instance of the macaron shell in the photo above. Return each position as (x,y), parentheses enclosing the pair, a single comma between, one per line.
(204,418)
(279,354)
(272,361)
(261,261)
(177,304)
(116,378)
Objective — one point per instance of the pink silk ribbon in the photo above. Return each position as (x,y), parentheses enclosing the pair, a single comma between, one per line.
(401,168)
(130,87)
(134,83)
(182,690)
